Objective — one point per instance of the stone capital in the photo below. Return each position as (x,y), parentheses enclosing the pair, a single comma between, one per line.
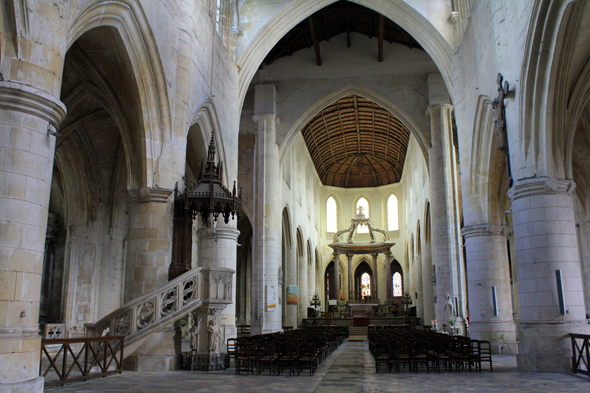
(264,117)
(26,99)
(484,230)
(148,194)
(433,108)
(541,186)
(219,233)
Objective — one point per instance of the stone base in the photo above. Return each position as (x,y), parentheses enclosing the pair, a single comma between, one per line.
(151,363)
(547,348)
(498,333)
(30,386)
(204,362)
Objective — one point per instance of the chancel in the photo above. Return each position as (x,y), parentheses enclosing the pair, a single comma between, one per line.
(294,187)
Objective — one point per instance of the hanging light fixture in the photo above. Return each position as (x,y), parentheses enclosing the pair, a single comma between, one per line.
(208,196)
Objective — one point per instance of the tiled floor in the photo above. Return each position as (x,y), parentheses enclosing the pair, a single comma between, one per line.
(350,369)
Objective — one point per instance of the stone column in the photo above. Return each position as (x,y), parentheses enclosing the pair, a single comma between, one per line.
(26,167)
(545,241)
(150,241)
(302,262)
(427,284)
(336,277)
(218,248)
(444,207)
(488,267)
(388,278)
(291,279)
(375,278)
(267,212)
(148,262)
(351,292)
(310,278)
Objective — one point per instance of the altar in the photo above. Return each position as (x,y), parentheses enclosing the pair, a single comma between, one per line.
(356,297)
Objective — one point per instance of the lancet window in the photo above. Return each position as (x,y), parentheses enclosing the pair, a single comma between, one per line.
(392,213)
(332,215)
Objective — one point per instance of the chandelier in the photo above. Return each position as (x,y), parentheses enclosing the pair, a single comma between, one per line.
(208,196)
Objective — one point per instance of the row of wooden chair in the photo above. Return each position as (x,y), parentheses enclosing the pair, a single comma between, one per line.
(395,348)
(293,351)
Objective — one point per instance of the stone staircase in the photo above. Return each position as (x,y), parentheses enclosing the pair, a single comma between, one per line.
(200,287)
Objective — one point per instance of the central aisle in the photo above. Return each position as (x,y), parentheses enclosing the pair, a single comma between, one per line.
(347,372)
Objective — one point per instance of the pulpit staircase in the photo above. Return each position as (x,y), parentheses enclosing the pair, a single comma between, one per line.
(199,287)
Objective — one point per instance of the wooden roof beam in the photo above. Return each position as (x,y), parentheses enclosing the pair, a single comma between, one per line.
(380,41)
(314,40)
(358,130)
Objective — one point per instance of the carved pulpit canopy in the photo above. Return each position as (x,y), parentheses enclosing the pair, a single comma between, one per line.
(360,219)
(208,196)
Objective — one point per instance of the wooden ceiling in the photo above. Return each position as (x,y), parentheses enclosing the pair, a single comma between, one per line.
(337,18)
(356,143)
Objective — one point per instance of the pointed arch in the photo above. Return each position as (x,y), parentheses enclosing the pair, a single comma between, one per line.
(543,98)
(364,203)
(359,91)
(401,13)
(128,18)
(287,227)
(208,122)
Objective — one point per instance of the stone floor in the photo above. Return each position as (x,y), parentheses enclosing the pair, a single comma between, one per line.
(350,369)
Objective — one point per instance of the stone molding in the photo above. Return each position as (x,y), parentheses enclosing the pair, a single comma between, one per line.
(32,101)
(20,332)
(219,233)
(148,194)
(265,117)
(541,186)
(484,230)
(432,108)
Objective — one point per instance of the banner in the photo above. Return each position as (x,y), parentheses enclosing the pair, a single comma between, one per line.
(293,294)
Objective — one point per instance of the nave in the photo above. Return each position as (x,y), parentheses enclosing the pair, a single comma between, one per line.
(349,369)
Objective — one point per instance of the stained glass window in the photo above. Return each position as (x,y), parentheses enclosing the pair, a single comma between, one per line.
(392,216)
(365,210)
(365,285)
(218,16)
(332,215)
(397,285)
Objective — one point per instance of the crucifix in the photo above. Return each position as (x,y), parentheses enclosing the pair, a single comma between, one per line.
(499,116)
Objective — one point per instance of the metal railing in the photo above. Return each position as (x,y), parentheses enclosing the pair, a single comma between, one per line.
(580,353)
(80,359)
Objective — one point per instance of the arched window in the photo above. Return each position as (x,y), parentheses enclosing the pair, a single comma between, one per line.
(362,202)
(392,213)
(397,285)
(397,279)
(331,215)
(218,16)
(365,285)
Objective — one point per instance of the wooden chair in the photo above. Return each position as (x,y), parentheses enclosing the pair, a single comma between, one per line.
(485,354)
(381,354)
(245,357)
(420,356)
(308,358)
(267,358)
(231,349)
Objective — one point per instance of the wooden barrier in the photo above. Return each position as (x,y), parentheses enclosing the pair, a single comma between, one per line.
(580,353)
(80,359)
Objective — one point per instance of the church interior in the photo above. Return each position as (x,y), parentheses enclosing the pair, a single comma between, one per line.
(180,175)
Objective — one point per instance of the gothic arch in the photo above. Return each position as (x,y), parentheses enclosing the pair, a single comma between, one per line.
(128,18)
(287,227)
(360,91)
(294,12)
(542,92)
(208,123)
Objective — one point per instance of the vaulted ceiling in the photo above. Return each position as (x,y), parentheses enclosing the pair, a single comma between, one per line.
(337,18)
(356,143)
